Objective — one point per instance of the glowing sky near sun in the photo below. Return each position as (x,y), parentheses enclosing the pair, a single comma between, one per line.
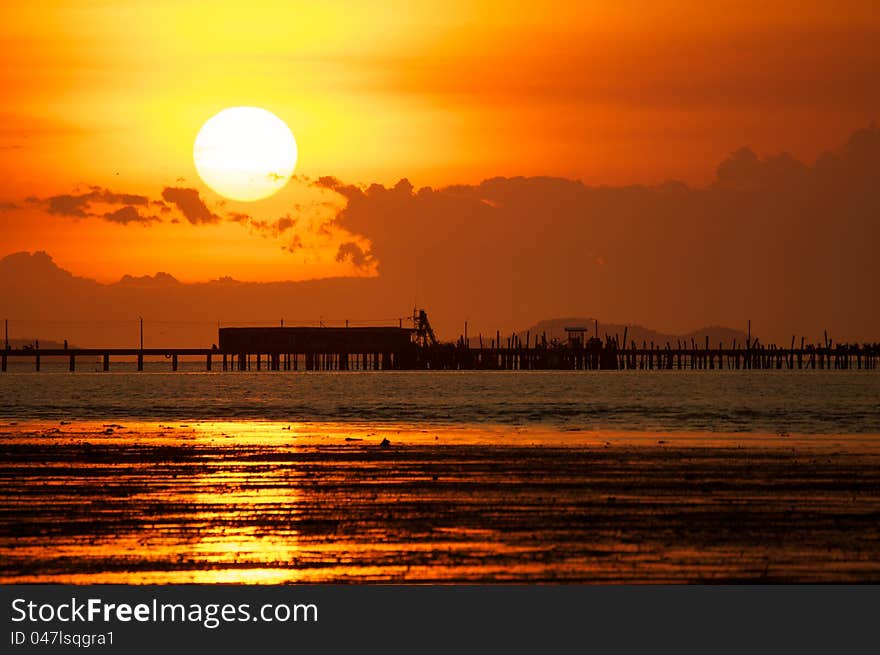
(112,94)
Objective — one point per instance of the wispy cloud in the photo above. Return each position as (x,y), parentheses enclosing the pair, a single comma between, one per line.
(190,204)
(82,205)
(129,214)
(354,254)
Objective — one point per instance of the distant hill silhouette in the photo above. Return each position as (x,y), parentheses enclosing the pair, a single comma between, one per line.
(555,329)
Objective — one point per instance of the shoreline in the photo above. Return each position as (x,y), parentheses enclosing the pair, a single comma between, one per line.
(408,433)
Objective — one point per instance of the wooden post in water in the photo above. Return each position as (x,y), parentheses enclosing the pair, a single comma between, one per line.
(174,362)
(5,344)
(208,364)
(106,362)
(72,364)
(747,363)
(140,357)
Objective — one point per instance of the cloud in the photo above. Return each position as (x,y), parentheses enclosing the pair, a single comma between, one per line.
(353,253)
(129,214)
(285,223)
(328,182)
(238,217)
(190,205)
(788,244)
(81,205)
(68,205)
(263,227)
(294,245)
(175,203)
(8,206)
(105,195)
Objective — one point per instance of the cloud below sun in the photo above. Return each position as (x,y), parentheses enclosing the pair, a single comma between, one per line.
(303,228)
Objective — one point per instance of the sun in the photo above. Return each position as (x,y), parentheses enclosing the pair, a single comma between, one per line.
(245,153)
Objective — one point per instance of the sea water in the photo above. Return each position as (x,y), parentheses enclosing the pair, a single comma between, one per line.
(769,402)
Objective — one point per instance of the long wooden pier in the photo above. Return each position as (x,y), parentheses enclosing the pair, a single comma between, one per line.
(513,357)
(659,358)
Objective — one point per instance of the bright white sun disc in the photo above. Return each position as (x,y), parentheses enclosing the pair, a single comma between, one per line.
(245,153)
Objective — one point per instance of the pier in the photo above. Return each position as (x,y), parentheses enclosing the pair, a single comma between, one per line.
(417,348)
(72,354)
(516,357)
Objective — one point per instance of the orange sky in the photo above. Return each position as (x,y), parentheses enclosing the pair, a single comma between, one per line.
(112,94)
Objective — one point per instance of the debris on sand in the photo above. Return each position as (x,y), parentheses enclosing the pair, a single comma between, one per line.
(385,443)
(353,439)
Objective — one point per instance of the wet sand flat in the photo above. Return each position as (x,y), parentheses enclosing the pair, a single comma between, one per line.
(272,503)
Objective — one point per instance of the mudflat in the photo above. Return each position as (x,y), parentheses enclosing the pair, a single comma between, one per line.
(277,503)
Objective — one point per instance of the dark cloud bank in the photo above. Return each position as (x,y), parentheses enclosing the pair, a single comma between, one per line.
(792,246)
(789,245)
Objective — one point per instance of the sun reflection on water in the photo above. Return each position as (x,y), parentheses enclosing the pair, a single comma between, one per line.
(277,502)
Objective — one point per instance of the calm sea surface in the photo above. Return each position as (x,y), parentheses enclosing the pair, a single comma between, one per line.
(806,402)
